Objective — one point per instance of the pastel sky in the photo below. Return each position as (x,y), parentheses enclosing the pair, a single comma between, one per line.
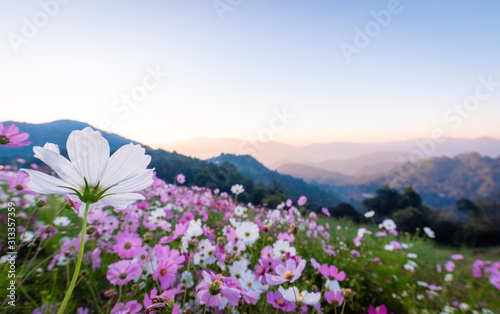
(358,71)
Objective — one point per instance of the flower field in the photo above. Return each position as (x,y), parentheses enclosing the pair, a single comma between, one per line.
(168,248)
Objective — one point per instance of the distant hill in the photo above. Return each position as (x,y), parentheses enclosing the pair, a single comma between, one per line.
(314,175)
(56,132)
(344,157)
(294,187)
(214,173)
(441,180)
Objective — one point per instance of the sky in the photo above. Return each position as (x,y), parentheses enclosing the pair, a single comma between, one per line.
(293,71)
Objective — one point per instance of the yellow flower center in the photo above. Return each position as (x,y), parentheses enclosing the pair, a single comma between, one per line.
(301,295)
(288,275)
(250,284)
(280,302)
(163,272)
(218,282)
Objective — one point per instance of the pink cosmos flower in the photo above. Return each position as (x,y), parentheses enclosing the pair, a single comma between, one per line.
(278,302)
(131,307)
(166,272)
(315,264)
(127,244)
(180,229)
(289,203)
(449,266)
(181,178)
(381,310)
(216,290)
(325,211)
(82,310)
(96,258)
(290,273)
(11,137)
(121,272)
(19,184)
(286,236)
(495,281)
(332,273)
(334,296)
(208,232)
(457,257)
(302,200)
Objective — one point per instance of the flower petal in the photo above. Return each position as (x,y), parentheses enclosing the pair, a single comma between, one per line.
(63,167)
(88,150)
(45,184)
(121,201)
(127,162)
(133,184)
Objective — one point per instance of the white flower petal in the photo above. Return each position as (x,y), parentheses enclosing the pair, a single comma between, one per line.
(121,201)
(52,147)
(134,184)
(63,167)
(126,162)
(88,150)
(45,184)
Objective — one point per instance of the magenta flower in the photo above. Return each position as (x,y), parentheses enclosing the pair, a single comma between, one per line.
(127,244)
(11,137)
(148,297)
(457,257)
(278,302)
(302,200)
(381,310)
(18,184)
(325,211)
(181,178)
(121,272)
(495,281)
(217,291)
(290,273)
(166,272)
(334,296)
(449,266)
(332,272)
(131,307)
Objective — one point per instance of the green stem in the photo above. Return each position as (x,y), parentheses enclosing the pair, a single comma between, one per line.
(206,304)
(78,262)
(343,306)
(186,289)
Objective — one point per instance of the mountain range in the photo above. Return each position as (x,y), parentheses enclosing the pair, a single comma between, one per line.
(326,173)
(353,159)
(169,164)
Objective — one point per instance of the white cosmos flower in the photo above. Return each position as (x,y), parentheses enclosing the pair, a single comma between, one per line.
(369,214)
(281,247)
(389,224)
(248,232)
(187,279)
(292,294)
(237,189)
(239,210)
(91,174)
(62,221)
(429,232)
